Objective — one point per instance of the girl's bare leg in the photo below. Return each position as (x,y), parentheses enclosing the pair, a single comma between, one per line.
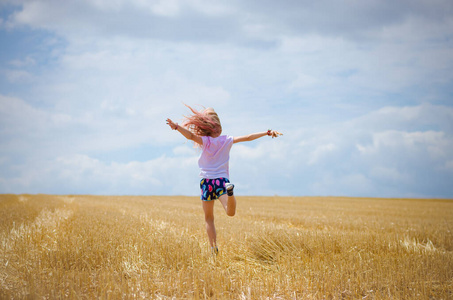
(229,204)
(208,208)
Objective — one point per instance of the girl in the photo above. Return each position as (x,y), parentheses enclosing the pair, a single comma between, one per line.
(204,128)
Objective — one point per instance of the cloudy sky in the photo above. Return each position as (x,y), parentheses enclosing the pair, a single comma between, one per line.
(362,90)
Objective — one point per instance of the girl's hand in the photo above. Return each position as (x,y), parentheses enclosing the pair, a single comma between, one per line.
(274,133)
(173,125)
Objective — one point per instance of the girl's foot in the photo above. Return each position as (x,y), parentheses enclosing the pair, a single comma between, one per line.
(215,250)
(229,188)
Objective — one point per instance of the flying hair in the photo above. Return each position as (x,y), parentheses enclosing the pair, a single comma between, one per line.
(203,123)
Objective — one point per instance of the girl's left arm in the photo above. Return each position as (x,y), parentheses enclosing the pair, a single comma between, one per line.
(254,136)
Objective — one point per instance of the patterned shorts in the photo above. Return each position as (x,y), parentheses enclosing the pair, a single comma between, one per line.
(212,189)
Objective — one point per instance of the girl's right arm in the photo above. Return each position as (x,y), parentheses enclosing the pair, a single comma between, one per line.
(186,133)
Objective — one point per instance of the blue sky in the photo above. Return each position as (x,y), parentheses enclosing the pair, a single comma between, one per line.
(362,90)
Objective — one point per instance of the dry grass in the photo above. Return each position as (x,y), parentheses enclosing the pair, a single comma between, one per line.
(85,247)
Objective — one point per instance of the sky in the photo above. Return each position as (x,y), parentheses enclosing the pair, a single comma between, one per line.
(362,90)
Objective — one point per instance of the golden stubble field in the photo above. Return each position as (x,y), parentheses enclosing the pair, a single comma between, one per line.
(108,247)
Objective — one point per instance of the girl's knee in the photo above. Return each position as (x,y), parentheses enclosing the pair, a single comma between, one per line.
(209,218)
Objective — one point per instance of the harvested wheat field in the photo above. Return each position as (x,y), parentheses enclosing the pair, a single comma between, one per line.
(108,247)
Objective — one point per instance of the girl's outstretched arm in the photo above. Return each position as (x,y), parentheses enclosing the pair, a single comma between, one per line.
(254,136)
(186,133)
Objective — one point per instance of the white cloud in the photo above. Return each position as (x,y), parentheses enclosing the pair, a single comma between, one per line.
(18,76)
(166,8)
(303,81)
(449,165)
(103,100)
(27,61)
(391,174)
(319,152)
(359,157)
(423,117)
(243,22)
(18,117)
(409,141)
(332,184)
(83,174)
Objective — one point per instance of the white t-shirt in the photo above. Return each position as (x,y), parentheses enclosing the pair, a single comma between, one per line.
(215,156)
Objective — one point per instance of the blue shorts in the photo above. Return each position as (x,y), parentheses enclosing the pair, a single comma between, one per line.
(212,189)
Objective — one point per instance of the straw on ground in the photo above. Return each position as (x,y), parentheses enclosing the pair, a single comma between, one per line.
(275,248)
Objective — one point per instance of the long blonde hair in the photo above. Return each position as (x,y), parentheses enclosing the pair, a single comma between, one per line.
(203,123)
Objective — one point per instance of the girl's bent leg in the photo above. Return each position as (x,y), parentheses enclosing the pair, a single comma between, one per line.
(208,208)
(229,204)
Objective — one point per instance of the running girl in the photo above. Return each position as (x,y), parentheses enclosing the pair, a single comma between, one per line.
(204,128)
